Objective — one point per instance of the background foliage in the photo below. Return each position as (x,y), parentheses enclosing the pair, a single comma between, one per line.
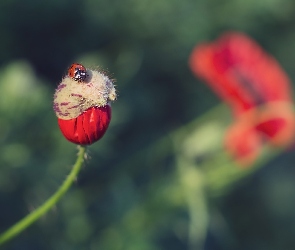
(132,194)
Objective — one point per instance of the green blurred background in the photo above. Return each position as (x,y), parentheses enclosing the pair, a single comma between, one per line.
(131,194)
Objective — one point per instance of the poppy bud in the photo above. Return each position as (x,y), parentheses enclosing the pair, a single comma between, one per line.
(82,104)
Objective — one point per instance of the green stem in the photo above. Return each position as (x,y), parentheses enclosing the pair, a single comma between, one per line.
(48,204)
(192,181)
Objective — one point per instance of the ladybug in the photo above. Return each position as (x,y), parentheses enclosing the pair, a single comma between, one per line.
(77,72)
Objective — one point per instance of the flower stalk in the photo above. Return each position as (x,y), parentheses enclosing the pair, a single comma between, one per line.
(24,223)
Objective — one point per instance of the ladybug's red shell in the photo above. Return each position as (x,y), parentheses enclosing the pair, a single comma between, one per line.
(88,127)
(77,72)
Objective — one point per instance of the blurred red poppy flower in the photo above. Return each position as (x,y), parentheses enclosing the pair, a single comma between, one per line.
(255,87)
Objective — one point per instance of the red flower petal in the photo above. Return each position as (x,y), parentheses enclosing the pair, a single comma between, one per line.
(88,127)
(240,72)
(277,124)
(273,123)
(243,142)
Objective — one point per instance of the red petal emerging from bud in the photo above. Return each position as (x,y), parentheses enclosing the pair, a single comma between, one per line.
(88,127)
